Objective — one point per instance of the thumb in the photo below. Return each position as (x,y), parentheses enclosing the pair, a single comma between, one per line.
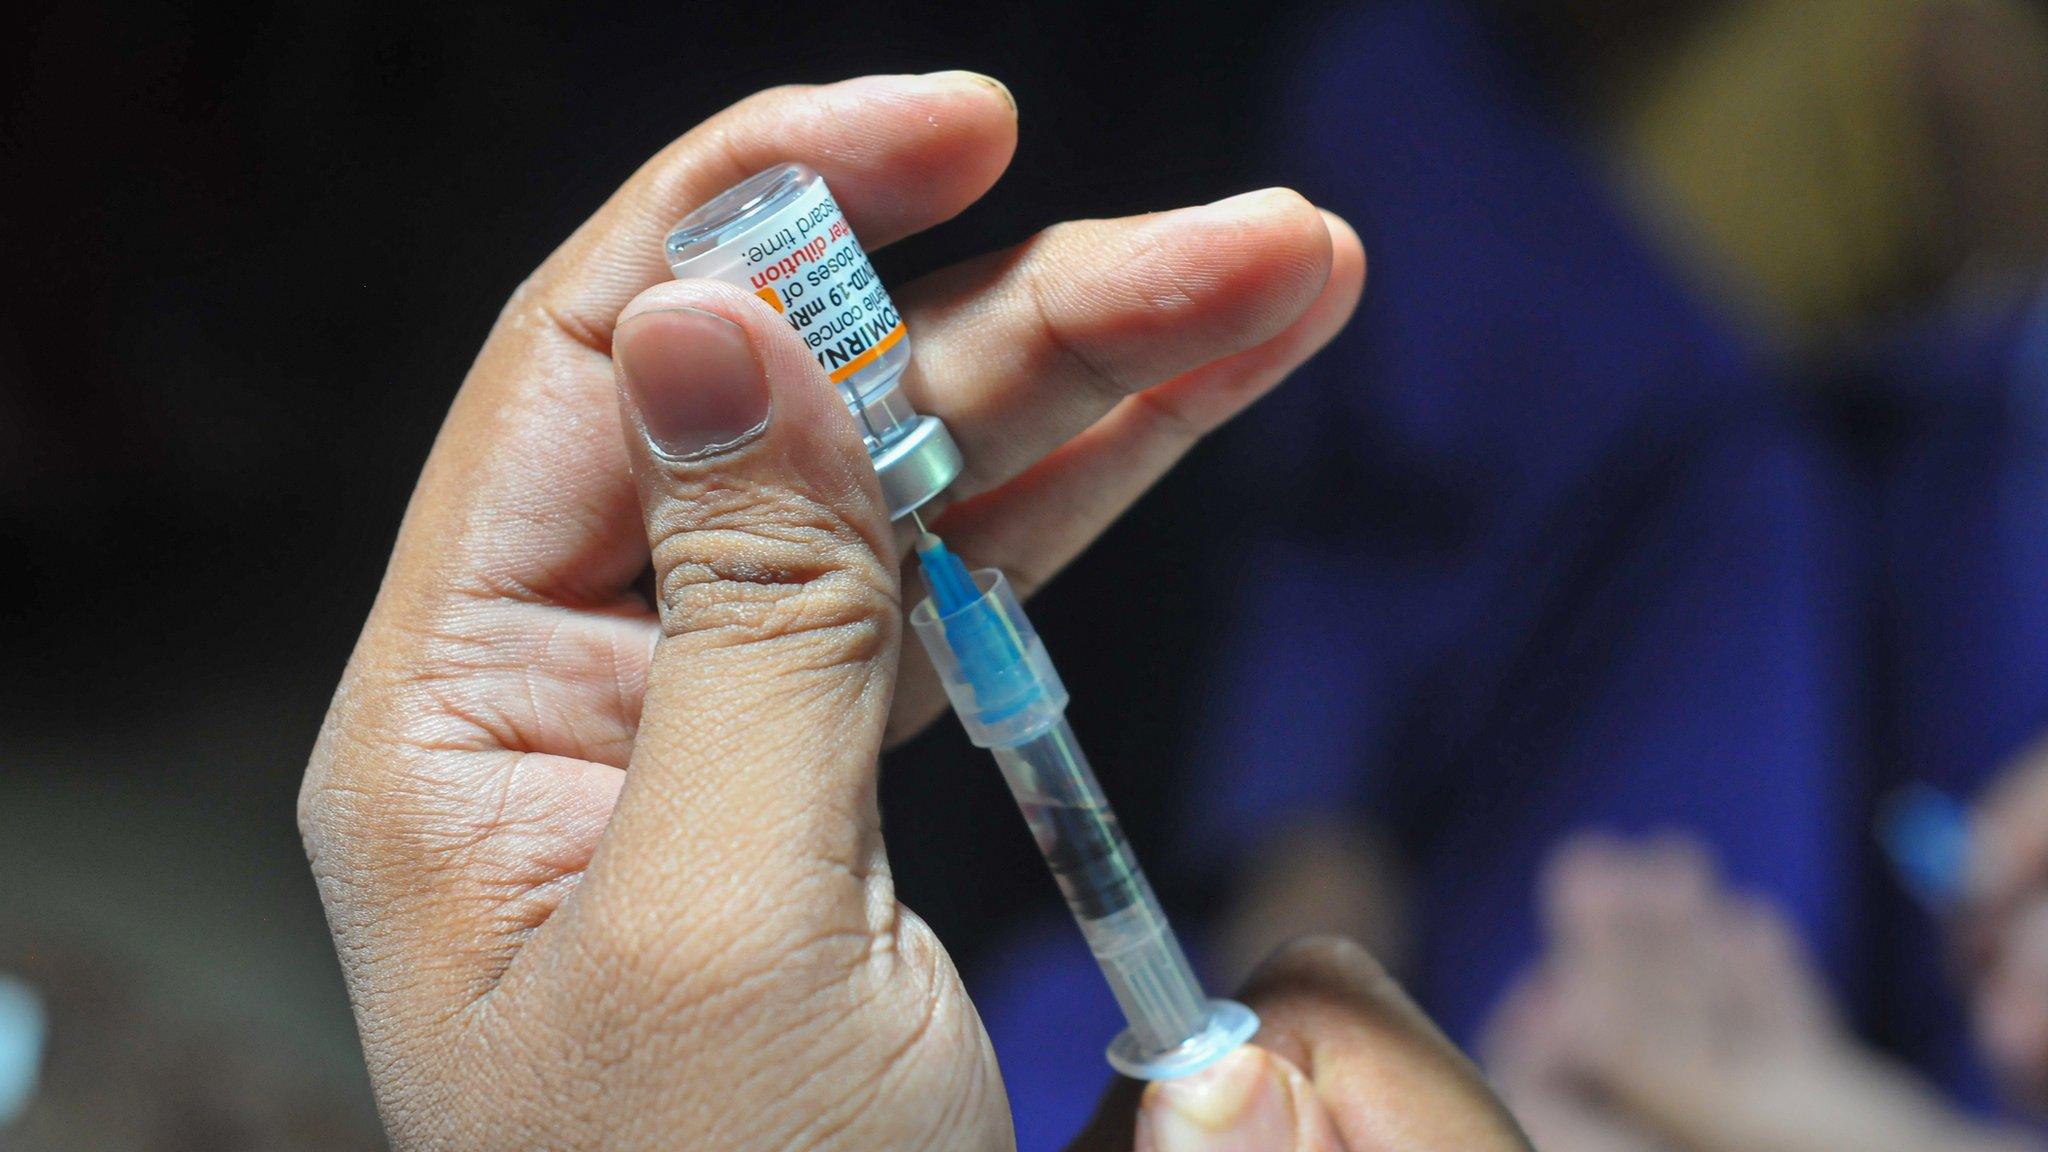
(1344,1062)
(756,750)
(1250,1101)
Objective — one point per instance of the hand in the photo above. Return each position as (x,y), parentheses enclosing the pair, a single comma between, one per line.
(2005,926)
(609,875)
(1345,1062)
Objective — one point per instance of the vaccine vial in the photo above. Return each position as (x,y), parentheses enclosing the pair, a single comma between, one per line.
(780,235)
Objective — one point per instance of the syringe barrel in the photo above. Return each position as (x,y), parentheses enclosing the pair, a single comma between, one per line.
(1011,701)
(1104,887)
(993,665)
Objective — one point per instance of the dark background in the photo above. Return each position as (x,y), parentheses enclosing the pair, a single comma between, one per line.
(252,250)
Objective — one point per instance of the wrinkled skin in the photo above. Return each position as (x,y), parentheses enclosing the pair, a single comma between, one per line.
(609,875)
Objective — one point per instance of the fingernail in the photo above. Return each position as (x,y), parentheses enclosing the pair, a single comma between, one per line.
(1229,212)
(1237,1105)
(1242,199)
(692,378)
(960,75)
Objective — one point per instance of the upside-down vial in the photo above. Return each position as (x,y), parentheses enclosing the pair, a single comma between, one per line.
(780,235)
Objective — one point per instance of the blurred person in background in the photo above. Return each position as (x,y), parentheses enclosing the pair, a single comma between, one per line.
(1688,468)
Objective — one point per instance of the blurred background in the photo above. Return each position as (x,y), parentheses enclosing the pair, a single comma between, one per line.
(1685,476)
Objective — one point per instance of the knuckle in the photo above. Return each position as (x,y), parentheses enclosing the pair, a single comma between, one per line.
(770,99)
(313,820)
(331,808)
(1170,418)
(535,309)
(1063,337)
(318,822)
(374,810)
(751,566)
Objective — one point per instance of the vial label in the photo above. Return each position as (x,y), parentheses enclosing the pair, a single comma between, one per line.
(807,265)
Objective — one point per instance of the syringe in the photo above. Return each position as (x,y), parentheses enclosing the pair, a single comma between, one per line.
(780,236)
(1003,686)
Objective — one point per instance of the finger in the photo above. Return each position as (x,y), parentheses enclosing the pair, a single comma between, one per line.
(1250,1101)
(1679,946)
(523,505)
(1585,899)
(779,615)
(1612,913)
(1784,994)
(1020,351)
(2009,835)
(739,891)
(1520,1046)
(1379,1076)
(1387,1077)
(1035,525)
(2010,1003)
(901,153)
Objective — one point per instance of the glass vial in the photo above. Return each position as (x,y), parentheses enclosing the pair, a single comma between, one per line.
(780,235)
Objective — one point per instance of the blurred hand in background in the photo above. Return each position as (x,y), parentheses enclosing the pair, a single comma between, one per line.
(1672,1012)
(2005,929)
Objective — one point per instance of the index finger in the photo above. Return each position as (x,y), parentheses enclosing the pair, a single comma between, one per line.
(901,153)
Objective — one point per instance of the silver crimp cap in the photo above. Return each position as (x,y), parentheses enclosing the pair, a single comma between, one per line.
(917,466)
